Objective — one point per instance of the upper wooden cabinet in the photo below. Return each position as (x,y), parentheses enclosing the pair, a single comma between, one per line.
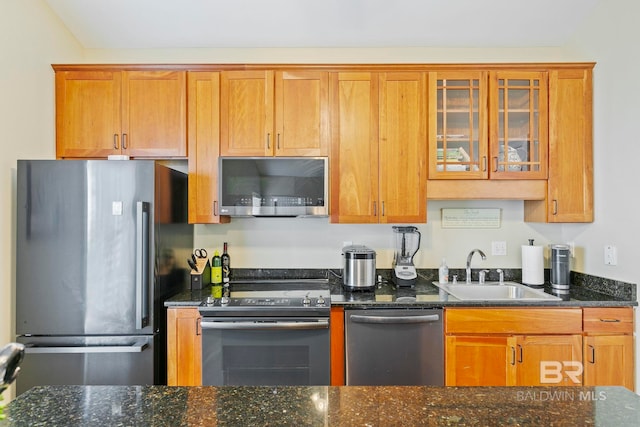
(488,125)
(569,196)
(204,146)
(378,155)
(136,113)
(274,113)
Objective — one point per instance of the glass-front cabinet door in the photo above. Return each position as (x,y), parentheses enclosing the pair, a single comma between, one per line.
(458,139)
(518,125)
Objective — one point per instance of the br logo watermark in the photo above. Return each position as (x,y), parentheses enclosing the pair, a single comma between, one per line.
(553,371)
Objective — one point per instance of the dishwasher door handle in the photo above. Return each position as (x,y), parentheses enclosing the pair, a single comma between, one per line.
(357,318)
(279,325)
(136,347)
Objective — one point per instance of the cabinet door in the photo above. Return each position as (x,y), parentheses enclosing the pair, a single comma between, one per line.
(354,148)
(301,113)
(402,148)
(608,361)
(518,125)
(204,143)
(184,347)
(154,114)
(458,125)
(246,113)
(480,360)
(87,114)
(559,355)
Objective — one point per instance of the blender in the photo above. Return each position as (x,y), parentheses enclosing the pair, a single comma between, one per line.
(407,244)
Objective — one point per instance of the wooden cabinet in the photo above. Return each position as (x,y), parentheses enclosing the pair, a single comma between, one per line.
(281,113)
(488,125)
(141,114)
(378,155)
(569,197)
(501,347)
(337,346)
(608,347)
(184,346)
(204,146)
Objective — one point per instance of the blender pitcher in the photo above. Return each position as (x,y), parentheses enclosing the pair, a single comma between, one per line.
(407,240)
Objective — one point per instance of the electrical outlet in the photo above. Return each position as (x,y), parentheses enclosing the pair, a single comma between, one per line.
(499,248)
(610,255)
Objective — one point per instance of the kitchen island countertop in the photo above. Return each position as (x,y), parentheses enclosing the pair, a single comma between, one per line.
(322,406)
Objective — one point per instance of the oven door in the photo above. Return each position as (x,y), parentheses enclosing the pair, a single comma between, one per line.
(265,351)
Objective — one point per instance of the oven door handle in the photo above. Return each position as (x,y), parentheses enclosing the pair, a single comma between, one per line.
(395,319)
(265,325)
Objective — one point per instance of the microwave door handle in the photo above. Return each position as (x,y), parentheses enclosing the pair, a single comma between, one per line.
(395,319)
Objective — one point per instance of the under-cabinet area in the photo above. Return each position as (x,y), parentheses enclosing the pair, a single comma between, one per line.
(396,135)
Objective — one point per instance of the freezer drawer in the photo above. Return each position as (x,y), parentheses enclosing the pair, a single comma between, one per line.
(394,347)
(122,360)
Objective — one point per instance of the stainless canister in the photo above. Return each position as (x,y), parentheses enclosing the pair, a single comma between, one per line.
(359,267)
(560,266)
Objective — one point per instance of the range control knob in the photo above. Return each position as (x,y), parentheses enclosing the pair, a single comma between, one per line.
(320,301)
(306,300)
(224,300)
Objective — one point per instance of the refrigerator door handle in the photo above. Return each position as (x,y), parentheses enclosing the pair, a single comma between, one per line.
(142,264)
(136,347)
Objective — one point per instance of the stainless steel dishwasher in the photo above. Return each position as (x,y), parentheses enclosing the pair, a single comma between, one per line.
(394,347)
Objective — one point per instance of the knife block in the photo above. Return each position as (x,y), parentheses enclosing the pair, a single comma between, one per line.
(202,277)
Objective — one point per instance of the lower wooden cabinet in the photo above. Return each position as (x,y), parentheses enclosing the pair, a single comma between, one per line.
(608,347)
(184,346)
(337,346)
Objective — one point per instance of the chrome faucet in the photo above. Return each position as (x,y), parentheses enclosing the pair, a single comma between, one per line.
(469,262)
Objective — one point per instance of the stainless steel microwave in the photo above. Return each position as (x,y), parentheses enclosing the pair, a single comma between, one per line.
(274,186)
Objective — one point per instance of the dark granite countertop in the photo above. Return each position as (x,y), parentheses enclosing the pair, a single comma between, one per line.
(585,291)
(323,406)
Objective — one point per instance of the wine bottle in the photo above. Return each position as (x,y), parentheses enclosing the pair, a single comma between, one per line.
(216,269)
(226,265)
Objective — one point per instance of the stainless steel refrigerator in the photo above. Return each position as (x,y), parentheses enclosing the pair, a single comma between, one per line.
(100,245)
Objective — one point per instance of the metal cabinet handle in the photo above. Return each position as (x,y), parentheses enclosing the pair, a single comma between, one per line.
(115,141)
(199,326)
(136,347)
(278,141)
(268,141)
(593,354)
(124,141)
(555,207)
(383,208)
(520,350)
(375,208)
(610,320)
(394,319)
(484,163)
(215,208)
(513,355)
(495,164)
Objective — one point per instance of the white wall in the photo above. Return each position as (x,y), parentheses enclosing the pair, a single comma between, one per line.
(31,38)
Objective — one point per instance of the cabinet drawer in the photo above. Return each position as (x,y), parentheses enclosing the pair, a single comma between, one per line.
(514,321)
(597,320)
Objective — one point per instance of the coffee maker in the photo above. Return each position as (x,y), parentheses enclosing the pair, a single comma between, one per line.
(407,240)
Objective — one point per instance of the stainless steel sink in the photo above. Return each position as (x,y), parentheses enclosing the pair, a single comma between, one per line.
(494,291)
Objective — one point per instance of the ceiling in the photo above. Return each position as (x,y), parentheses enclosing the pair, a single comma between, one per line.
(161,24)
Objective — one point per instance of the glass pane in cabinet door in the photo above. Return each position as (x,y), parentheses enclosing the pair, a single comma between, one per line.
(457,125)
(518,125)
